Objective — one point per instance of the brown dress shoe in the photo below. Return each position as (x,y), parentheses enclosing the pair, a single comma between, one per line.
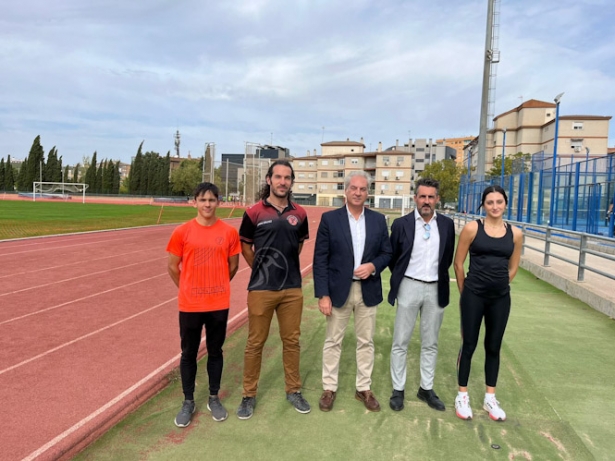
(326,400)
(368,399)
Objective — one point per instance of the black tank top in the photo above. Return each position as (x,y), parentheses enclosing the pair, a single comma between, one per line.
(489,256)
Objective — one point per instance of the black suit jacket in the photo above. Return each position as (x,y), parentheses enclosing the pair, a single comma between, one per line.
(334,256)
(402,241)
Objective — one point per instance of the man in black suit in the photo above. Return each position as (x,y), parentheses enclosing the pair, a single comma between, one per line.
(423,243)
(352,249)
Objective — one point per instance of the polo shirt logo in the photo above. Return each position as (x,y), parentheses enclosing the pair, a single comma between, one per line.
(272,265)
(292,220)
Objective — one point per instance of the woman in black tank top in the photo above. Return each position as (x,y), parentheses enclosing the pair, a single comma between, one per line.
(495,251)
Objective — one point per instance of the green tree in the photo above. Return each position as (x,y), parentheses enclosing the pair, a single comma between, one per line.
(21,176)
(76,173)
(35,161)
(2,173)
(134,179)
(115,183)
(90,176)
(448,174)
(65,175)
(9,176)
(53,168)
(99,176)
(516,163)
(185,178)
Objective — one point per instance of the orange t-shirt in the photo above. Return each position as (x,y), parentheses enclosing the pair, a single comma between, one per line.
(204,283)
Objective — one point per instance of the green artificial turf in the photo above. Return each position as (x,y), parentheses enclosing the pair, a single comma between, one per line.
(556,385)
(20,219)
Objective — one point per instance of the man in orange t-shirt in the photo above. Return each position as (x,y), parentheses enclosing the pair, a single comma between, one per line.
(203,258)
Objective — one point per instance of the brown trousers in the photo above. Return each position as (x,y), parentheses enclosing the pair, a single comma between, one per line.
(288,306)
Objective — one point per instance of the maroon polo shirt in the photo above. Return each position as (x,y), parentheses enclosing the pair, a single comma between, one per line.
(276,237)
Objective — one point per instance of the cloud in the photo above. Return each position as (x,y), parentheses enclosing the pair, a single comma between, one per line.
(105,75)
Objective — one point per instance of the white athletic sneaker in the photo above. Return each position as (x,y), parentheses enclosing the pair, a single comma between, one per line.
(462,407)
(492,406)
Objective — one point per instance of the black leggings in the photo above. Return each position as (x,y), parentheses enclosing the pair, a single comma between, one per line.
(190,327)
(496,311)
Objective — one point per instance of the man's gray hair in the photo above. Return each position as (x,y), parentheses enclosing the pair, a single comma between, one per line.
(363,174)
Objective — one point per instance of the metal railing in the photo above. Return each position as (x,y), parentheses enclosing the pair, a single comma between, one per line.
(582,243)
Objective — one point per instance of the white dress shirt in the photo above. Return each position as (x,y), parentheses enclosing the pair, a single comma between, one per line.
(423,263)
(357,231)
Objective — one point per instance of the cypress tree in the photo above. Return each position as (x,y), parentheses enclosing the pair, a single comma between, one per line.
(36,160)
(115,188)
(2,185)
(9,178)
(99,177)
(21,176)
(76,173)
(65,176)
(134,180)
(90,175)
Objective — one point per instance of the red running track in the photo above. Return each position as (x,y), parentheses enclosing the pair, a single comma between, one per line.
(88,332)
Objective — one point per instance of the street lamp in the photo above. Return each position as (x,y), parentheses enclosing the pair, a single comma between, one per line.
(503,157)
(552,204)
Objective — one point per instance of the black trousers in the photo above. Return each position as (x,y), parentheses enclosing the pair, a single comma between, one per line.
(495,311)
(190,328)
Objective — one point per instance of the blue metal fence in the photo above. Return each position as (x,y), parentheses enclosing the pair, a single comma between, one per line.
(583,192)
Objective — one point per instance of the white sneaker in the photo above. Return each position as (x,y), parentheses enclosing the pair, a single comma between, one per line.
(462,407)
(492,406)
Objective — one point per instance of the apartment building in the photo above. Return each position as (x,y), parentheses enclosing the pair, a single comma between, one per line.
(459,144)
(530,128)
(319,180)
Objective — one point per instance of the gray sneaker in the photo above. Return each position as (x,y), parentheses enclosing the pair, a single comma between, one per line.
(184,417)
(297,401)
(246,407)
(218,412)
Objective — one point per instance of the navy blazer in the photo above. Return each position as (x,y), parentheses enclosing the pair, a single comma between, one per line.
(402,241)
(334,256)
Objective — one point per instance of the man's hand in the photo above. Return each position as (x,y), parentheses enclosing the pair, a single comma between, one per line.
(325,306)
(364,270)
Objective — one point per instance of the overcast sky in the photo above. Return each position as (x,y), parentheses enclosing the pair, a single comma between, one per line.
(104,75)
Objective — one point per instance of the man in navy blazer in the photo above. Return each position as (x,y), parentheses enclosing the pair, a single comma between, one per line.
(352,249)
(423,243)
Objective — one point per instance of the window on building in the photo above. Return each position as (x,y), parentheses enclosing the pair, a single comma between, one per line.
(340,186)
(420,149)
(310,175)
(301,163)
(311,164)
(301,186)
(324,174)
(400,160)
(310,187)
(399,174)
(399,187)
(577,125)
(338,174)
(354,161)
(386,174)
(576,144)
(385,160)
(324,186)
(325,162)
(301,175)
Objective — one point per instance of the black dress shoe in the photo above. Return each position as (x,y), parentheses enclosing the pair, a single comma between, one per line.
(396,402)
(431,399)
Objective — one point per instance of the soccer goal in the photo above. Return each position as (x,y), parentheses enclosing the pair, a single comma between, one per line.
(58,190)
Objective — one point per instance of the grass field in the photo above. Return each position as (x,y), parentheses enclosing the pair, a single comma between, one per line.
(556,384)
(20,219)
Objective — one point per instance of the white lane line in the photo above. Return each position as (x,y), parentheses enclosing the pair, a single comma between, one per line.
(92,333)
(42,269)
(93,242)
(78,277)
(79,299)
(35,454)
